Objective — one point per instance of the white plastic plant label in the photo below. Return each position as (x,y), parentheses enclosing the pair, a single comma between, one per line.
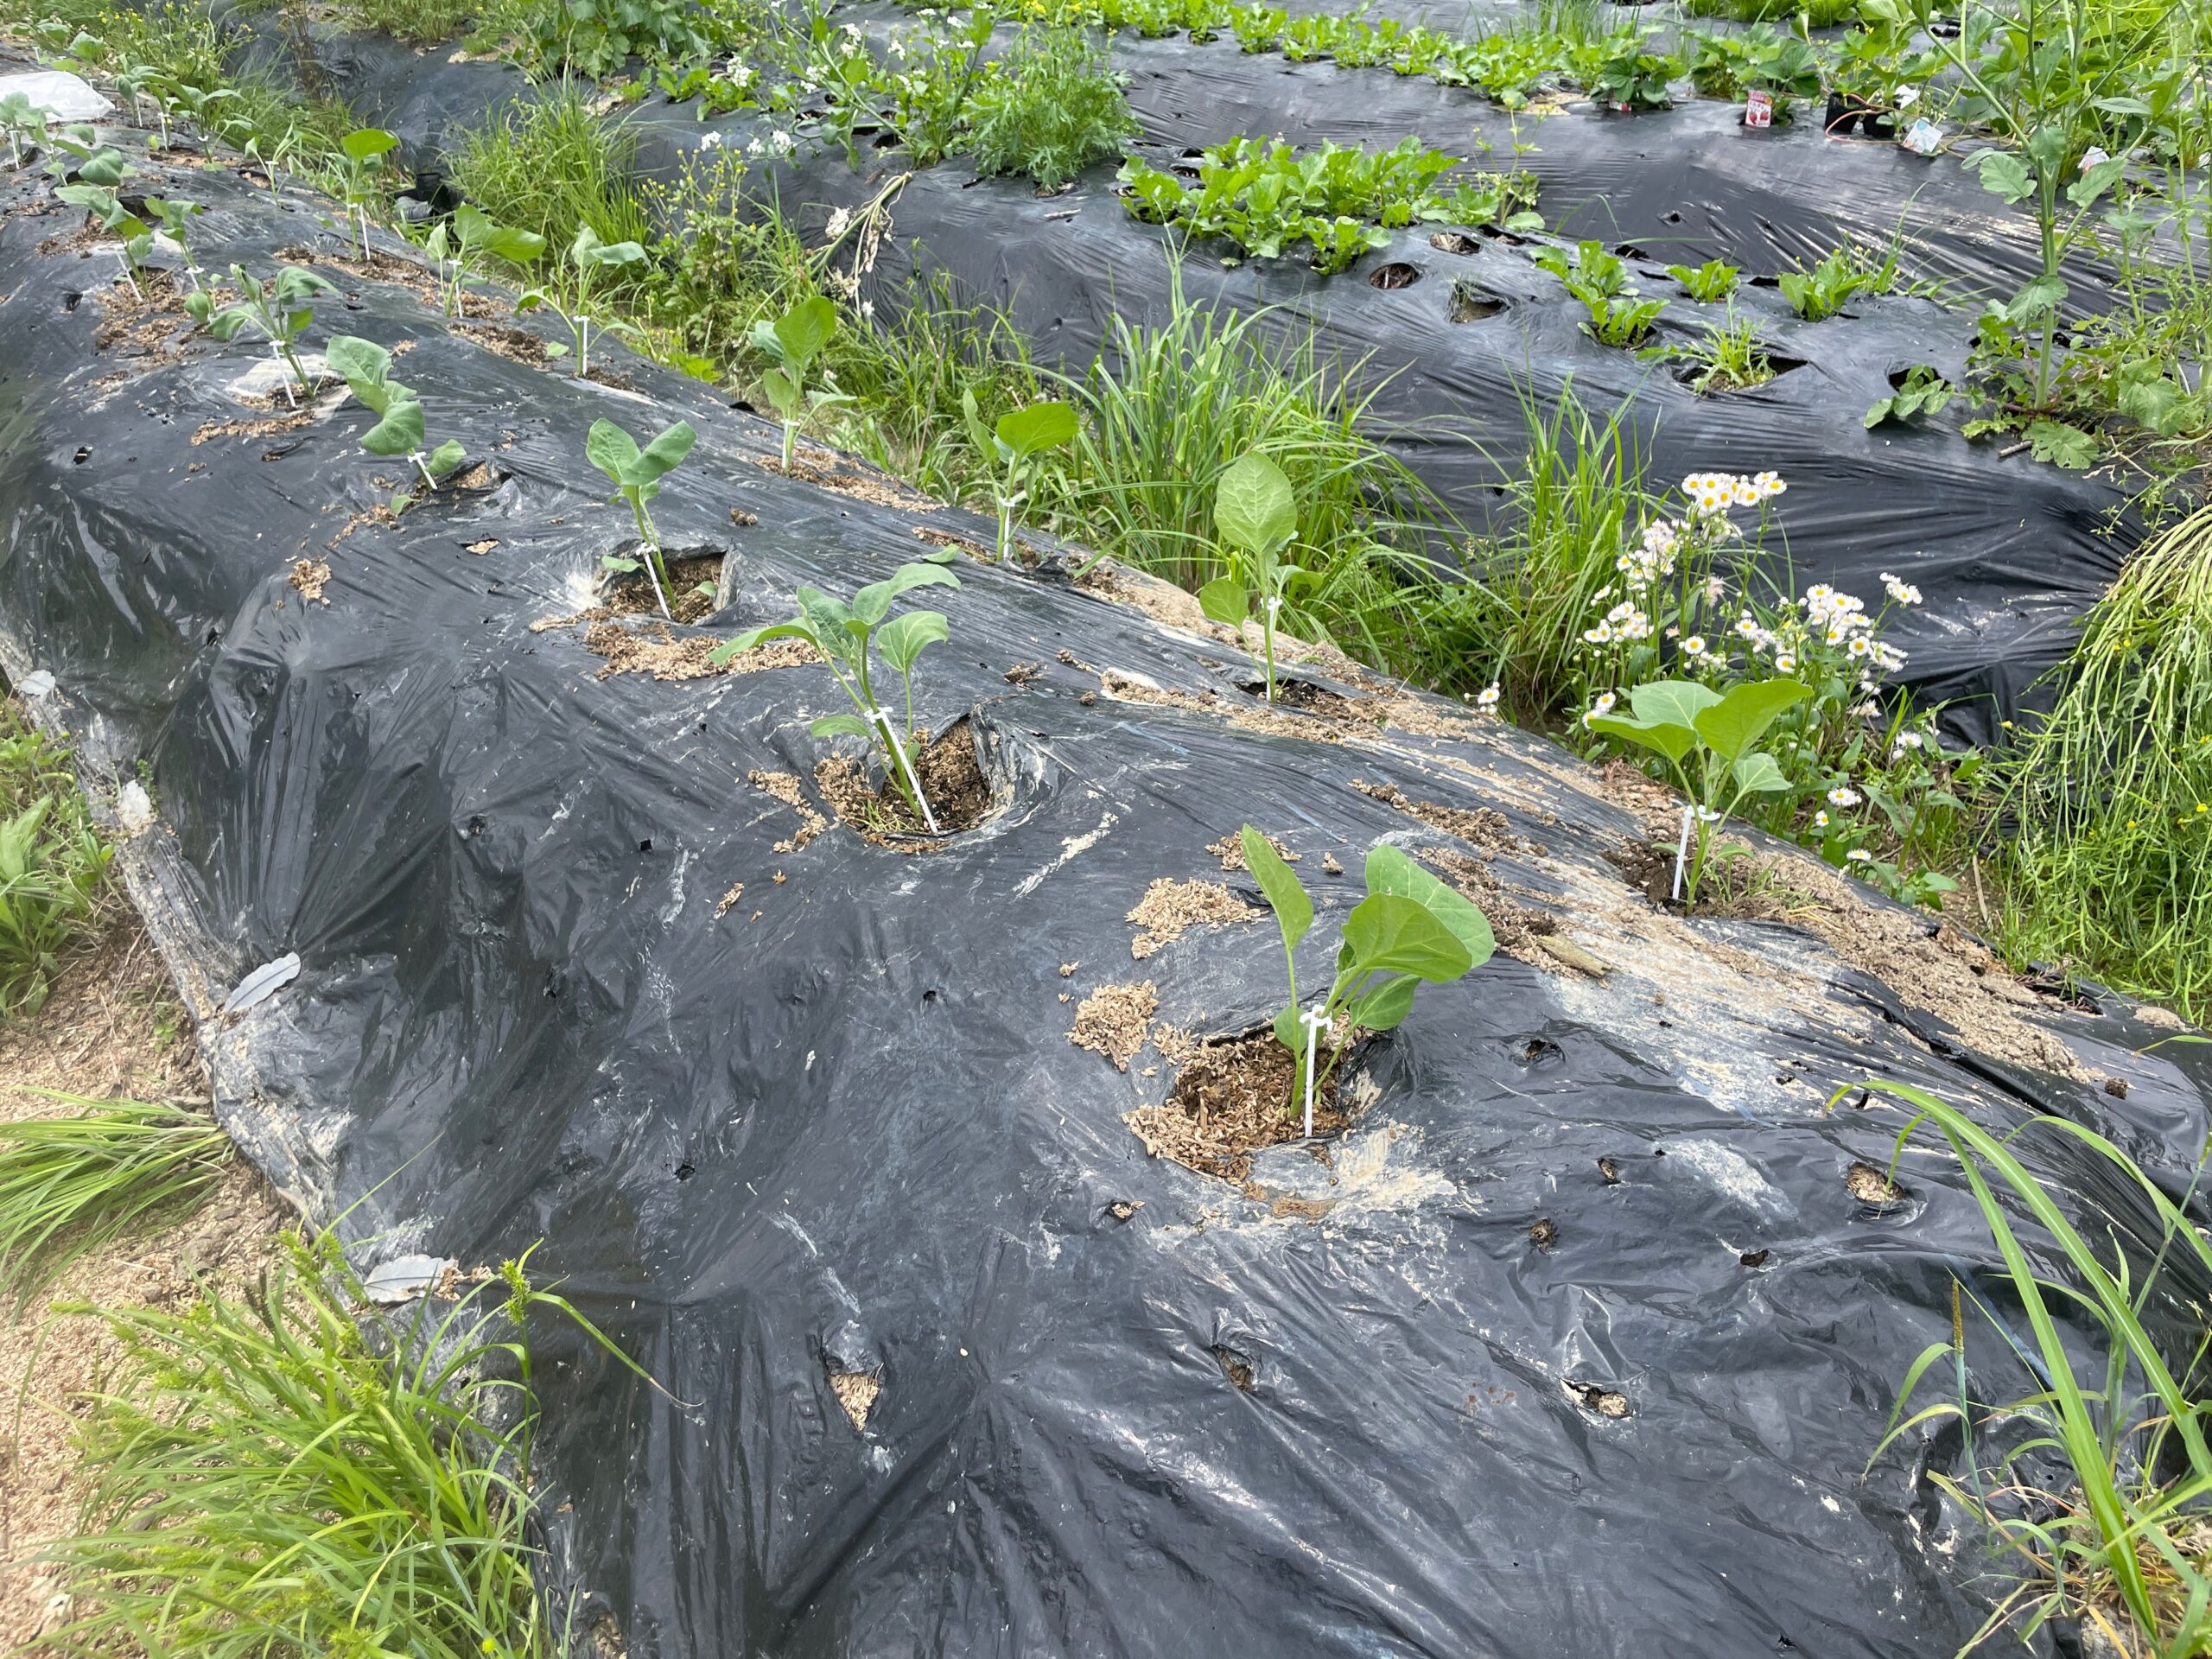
(1758,108)
(1924,138)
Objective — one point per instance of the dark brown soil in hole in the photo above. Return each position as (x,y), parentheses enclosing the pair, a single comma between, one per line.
(871,804)
(632,593)
(1471,304)
(1650,868)
(820,467)
(1396,274)
(144,323)
(1454,242)
(1301,694)
(1234,1096)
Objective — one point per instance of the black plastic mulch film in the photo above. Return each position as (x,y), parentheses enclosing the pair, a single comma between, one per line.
(2007,551)
(1576,1342)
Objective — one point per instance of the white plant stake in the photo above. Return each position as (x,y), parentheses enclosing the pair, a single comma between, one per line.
(284,374)
(882,718)
(1315,1022)
(422,467)
(1683,849)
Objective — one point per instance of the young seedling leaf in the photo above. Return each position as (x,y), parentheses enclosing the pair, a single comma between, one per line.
(1663,737)
(664,454)
(366,144)
(842,726)
(1038,427)
(1758,774)
(359,362)
(1387,933)
(1730,725)
(803,331)
(1673,702)
(904,639)
(400,431)
(1384,1007)
(1225,601)
(443,458)
(610,449)
(1389,870)
(1293,910)
(873,603)
(1253,508)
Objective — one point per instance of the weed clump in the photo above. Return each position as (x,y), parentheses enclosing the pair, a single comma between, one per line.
(53,864)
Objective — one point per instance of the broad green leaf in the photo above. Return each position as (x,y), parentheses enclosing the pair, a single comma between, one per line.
(2061,445)
(359,362)
(904,638)
(2095,182)
(366,144)
(516,246)
(804,330)
(1385,1005)
(663,455)
(2036,299)
(873,603)
(610,449)
(443,458)
(1290,1032)
(1285,895)
(1757,774)
(1664,738)
(400,431)
(1038,426)
(1737,721)
(104,165)
(1386,933)
(1225,600)
(829,622)
(2004,173)
(1389,870)
(783,393)
(753,637)
(1253,507)
(612,253)
(842,726)
(1676,703)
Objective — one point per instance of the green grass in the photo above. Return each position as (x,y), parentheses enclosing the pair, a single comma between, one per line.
(2114,792)
(424,22)
(548,165)
(53,864)
(70,1184)
(295,1470)
(2126,1548)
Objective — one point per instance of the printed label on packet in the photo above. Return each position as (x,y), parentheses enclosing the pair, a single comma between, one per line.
(1758,109)
(1924,137)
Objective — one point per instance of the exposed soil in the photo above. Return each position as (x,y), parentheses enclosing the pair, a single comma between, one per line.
(1233,1096)
(310,577)
(390,268)
(1168,907)
(819,468)
(266,427)
(1245,716)
(1113,1020)
(1229,849)
(1308,698)
(951,779)
(974,549)
(656,649)
(786,788)
(631,593)
(1871,1185)
(1478,826)
(143,324)
(857,1392)
(111,1027)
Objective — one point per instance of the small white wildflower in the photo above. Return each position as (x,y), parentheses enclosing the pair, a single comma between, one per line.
(1861,646)
(1488,702)
(710,141)
(1910,739)
(1694,646)
(1601,635)
(1821,819)
(1859,855)
(1768,483)
(1844,795)
(1784,662)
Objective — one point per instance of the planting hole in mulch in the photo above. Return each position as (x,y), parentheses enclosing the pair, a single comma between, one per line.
(1233,1096)
(1871,1185)
(1301,694)
(951,774)
(630,593)
(1471,304)
(1396,274)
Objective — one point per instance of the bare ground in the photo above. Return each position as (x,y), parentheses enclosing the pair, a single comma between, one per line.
(113,1027)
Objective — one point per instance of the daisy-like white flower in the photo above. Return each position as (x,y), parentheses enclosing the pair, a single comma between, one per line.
(1694,646)
(1768,483)
(1902,592)
(1747,493)
(1821,819)
(1785,662)
(1860,645)
(1843,795)
(1488,702)
(710,141)
(1859,855)
(1601,635)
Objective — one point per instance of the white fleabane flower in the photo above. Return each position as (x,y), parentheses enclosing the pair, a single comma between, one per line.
(1694,646)
(1784,662)
(1821,819)
(1488,702)
(710,141)
(1768,483)
(1844,795)
(1859,855)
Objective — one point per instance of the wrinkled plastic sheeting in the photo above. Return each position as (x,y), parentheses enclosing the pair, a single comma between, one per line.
(834,1128)
(2006,551)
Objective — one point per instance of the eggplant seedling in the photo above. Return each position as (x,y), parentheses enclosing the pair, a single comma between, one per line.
(454,245)
(793,342)
(1019,437)
(637,475)
(280,309)
(569,298)
(79,157)
(1409,930)
(173,217)
(398,431)
(842,634)
(101,201)
(24,123)
(360,162)
(1256,516)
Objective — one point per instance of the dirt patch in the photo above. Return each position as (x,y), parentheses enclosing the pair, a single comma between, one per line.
(1249,717)
(658,652)
(265,427)
(81,240)
(1305,697)
(390,268)
(1168,907)
(1516,929)
(819,468)
(786,788)
(951,779)
(1112,1020)
(1871,1185)
(142,323)
(631,593)
(1233,1096)
(112,1027)
(974,549)
(516,345)
(1478,826)
(857,1392)
(310,577)
(1229,849)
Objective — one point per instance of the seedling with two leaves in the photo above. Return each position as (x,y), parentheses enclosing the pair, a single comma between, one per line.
(360,165)
(455,244)
(588,259)
(1256,516)
(1410,929)
(24,123)
(280,309)
(793,342)
(637,475)
(843,635)
(76,155)
(102,202)
(1020,436)
(1706,739)
(367,367)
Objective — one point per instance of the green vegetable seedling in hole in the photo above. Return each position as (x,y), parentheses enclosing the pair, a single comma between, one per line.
(1020,436)
(101,201)
(843,635)
(793,342)
(1706,739)
(398,431)
(1411,929)
(361,160)
(1256,516)
(1925,392)
(23,121)
(280,309)
(588,259)
(173,218)
(455,243)
(637,475)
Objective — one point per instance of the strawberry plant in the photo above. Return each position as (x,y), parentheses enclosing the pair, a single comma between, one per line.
(1600,281)
(1708,283)
(637,473)
(1410,929)
(844,635)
